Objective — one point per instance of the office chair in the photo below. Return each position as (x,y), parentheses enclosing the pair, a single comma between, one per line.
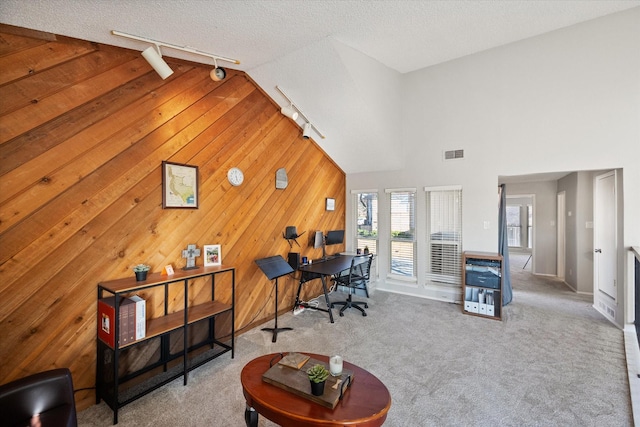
(357,278)
(47,396)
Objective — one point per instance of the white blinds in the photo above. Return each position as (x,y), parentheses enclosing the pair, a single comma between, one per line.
(444,234)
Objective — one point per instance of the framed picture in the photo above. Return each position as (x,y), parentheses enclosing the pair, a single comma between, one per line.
(212,255)
(330,204)
(179,186)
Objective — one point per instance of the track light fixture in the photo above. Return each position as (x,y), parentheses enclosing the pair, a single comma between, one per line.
(154,56)
(292,112)
(306,130)
(289,112)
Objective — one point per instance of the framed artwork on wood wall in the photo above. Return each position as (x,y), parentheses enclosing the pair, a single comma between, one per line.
(330,204)
(179,186)
(212,255)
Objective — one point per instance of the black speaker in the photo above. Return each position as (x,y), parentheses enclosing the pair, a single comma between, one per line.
(294,260)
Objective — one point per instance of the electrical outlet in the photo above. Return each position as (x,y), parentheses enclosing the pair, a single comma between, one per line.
(299,309)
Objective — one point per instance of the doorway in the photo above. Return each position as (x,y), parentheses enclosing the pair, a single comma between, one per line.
(521,228)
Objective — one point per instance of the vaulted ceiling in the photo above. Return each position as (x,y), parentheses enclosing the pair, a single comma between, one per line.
(340,61)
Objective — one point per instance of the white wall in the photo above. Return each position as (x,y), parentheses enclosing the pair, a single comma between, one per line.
(564,101)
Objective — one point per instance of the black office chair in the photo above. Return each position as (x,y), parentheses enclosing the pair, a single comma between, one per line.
(47,395)
(356,278)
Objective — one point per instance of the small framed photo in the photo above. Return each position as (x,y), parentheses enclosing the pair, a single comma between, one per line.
(179,186)
(212,255)
(330,204)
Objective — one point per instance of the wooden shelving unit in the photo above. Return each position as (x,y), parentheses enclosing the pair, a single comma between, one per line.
(175,345)
(482,274)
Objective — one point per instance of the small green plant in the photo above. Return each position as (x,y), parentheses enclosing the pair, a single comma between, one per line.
(318,373)
(141,267)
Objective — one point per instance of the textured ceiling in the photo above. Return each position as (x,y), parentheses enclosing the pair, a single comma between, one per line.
(316,50)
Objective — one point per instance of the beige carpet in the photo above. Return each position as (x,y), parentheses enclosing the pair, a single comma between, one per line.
(552,361)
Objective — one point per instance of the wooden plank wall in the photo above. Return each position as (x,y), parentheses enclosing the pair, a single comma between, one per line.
(83,131)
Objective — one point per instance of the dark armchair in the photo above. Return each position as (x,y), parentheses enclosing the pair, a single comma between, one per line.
(47,396)
(356,278)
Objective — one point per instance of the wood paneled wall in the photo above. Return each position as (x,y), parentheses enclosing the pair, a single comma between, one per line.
(83,131)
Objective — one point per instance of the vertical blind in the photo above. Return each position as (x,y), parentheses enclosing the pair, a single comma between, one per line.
(403,231)
(444,234)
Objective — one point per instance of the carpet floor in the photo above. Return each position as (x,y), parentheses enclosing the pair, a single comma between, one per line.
(552,361)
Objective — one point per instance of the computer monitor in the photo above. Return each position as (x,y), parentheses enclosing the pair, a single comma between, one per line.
(335,237)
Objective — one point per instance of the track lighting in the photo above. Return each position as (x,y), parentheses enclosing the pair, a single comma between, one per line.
(154,56)
(292,112)
(306,130)
(289,112)
(218,74)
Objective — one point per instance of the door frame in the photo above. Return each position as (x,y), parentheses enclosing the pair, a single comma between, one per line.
(561,234)
(607,305)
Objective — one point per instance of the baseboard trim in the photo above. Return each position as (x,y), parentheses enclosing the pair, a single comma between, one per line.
(449,294)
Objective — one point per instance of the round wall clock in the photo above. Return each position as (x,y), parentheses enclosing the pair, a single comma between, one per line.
(235,176)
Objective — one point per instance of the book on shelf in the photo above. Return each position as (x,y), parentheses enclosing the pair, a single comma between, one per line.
(140,317)
(106,321)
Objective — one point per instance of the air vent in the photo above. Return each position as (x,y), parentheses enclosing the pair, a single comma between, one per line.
(454,154)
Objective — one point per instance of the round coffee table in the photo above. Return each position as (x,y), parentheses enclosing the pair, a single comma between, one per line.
(365,403)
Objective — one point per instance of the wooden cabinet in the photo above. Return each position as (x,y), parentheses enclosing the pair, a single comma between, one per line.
(482,274)
(190,321)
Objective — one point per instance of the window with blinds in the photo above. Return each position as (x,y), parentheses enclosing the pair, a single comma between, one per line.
(444,234)
(366,221)
(402,203)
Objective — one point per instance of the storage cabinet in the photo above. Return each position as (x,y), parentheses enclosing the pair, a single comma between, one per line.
(188,326)
(482,284)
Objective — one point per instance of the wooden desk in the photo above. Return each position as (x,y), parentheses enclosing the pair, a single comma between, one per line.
(322,269)
(365,403)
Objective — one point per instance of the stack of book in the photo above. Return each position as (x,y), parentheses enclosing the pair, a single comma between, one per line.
(131,324)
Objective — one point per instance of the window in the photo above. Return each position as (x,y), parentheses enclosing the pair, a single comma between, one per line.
(513,226)
(366,221)
(402,239)
(444,234)
(529,226)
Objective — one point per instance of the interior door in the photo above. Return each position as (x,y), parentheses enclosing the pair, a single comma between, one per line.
(604,235)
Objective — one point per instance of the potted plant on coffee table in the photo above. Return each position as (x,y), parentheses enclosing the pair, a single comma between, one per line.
(318,374)
(141,272)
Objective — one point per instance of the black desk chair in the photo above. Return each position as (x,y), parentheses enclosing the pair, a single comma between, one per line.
(356,278)
(46,396)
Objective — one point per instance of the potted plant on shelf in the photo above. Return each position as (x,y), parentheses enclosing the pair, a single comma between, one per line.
(141,271)
(318,374)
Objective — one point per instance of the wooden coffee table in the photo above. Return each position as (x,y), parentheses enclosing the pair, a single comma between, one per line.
(365,403)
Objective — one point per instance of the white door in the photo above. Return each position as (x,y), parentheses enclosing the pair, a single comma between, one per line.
(561,249)
(604,235)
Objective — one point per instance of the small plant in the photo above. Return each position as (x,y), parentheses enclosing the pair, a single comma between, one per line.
(141,267)
(318,373)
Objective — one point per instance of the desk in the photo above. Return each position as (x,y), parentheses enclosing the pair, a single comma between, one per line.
(364,404)
(321,269)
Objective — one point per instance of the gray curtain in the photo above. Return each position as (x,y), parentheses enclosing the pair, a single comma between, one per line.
(503,247)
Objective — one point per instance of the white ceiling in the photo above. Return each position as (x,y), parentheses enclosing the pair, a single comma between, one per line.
(337,59)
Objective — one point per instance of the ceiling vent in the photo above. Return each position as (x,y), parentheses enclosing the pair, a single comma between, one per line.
(454,154)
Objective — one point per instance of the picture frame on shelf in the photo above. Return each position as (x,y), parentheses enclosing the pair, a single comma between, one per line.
(179,186)
(212,255)
(330,204)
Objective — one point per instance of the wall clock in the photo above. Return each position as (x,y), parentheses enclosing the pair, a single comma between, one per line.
(235,176)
